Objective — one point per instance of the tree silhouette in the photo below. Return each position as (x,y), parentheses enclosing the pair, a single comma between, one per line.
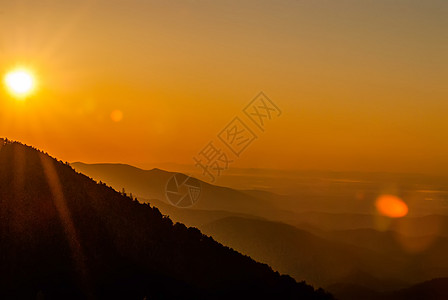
(64,236)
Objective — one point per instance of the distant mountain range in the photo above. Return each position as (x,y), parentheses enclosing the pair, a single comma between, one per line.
(435,289)
(64,236)
(151,184)
(346,252)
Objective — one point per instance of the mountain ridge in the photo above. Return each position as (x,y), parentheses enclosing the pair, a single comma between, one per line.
(64,235)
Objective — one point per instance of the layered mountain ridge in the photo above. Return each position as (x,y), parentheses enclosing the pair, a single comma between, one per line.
(63,235)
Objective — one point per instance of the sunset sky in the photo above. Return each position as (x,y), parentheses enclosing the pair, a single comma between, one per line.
(362,84)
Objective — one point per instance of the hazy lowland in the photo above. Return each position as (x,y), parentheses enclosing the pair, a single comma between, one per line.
(322,227)
(216,149)
(66,235)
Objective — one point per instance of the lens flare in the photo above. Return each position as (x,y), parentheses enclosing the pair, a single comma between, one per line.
(116,115)
(391,206)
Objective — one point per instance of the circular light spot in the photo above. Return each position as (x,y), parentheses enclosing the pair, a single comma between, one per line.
(391,206)
(116,115)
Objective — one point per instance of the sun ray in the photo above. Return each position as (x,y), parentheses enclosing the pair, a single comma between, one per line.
(65,216)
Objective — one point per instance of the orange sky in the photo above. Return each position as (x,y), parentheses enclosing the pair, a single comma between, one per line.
(361,84)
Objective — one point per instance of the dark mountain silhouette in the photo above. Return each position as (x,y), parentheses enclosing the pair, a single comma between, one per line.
(305,255)
(351,291)
(354,264)
(435,289)
(64,236)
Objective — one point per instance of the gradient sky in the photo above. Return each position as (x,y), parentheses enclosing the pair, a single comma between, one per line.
(362,84)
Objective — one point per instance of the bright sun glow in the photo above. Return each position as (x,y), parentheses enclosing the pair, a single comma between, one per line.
(20,82)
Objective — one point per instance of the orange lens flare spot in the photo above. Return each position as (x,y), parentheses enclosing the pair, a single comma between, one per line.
(116,115)
(391,206)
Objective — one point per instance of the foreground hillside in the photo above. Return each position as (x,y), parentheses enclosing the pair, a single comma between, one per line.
(62,235)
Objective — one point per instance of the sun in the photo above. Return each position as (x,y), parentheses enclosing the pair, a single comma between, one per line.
(20,82)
